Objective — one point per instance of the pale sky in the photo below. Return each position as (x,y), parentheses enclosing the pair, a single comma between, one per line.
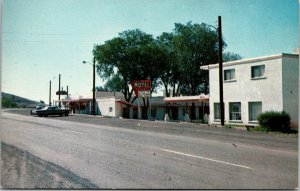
(44,38)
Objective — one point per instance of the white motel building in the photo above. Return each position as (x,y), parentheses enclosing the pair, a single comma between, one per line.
(252,86)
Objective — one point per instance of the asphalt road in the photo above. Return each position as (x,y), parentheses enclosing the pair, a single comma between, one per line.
(92,152)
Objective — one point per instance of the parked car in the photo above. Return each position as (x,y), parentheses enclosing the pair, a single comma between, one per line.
(52,110)
(38,107)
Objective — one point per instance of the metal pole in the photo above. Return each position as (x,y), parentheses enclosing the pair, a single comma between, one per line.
(94,77)
(50,94)
(202,112)
(59,91)
(221,70)
(68,97)
(139,109)
(150,106)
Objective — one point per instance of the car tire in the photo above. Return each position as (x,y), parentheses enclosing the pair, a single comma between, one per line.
(40,115)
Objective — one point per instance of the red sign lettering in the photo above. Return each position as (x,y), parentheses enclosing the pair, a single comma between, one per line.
(141,85)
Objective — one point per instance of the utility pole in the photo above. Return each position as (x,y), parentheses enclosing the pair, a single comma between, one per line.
(94,89)
(50,94)
(59,91)
(221,70)
(68,96)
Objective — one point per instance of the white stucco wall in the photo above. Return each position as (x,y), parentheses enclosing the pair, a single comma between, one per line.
(118,110)
(244,89)
(104,104)
(290,80)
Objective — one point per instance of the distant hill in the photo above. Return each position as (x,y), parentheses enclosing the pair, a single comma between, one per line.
(13,101)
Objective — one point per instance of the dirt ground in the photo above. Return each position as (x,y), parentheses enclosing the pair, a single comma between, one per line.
(21,169)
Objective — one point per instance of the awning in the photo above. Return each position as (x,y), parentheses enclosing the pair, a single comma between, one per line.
(198,98)
(75,100)
(124,102)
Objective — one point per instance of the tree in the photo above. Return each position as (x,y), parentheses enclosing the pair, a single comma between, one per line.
(101,88)
(230,56)
(187,48)
(170,69)
(115,83)
(130,56)
(8,103)
(196,45)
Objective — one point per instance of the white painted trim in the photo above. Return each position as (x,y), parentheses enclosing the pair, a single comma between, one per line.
(248,60)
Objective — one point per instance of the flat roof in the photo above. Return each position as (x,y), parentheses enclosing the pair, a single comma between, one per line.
(197,98)
(250,60)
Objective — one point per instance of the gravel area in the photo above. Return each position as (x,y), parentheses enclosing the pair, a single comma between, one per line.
(21,169)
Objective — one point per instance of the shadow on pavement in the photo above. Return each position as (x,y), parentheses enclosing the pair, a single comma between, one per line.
(21,169)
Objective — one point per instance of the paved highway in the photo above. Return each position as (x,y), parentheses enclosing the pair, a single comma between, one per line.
(70,153)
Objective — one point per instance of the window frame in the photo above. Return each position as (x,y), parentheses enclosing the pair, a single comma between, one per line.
(262,74)
(237,119)
(217,114)
(231,71)
(250,111)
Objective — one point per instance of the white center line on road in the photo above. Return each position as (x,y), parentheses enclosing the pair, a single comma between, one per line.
(199,157)
(75,132)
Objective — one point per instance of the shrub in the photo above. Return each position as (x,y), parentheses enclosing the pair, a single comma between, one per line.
(259,128)
(275,121)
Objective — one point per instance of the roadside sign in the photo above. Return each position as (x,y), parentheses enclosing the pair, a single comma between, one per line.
(61,93)
(141,85)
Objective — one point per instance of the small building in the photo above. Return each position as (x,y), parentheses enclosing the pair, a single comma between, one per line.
(252,86)
(181,107)
(113,104)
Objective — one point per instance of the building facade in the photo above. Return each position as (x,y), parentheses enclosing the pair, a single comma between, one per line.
(113,104)
(252,86)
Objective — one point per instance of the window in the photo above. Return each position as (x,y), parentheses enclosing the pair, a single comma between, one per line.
(235,111)
(257,71)
(255,109)
(229,74)
(217,111)
(183,111)
(110,109)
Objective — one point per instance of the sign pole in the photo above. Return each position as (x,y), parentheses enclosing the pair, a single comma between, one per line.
(139,109)
(150,105)
(59,91)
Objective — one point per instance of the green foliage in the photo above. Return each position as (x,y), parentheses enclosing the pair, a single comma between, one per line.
(7,103)
(259,128)
(196,45)
(229,56)
(133,55)
(275,121)
(172,59)
(101,88)
(114,84)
